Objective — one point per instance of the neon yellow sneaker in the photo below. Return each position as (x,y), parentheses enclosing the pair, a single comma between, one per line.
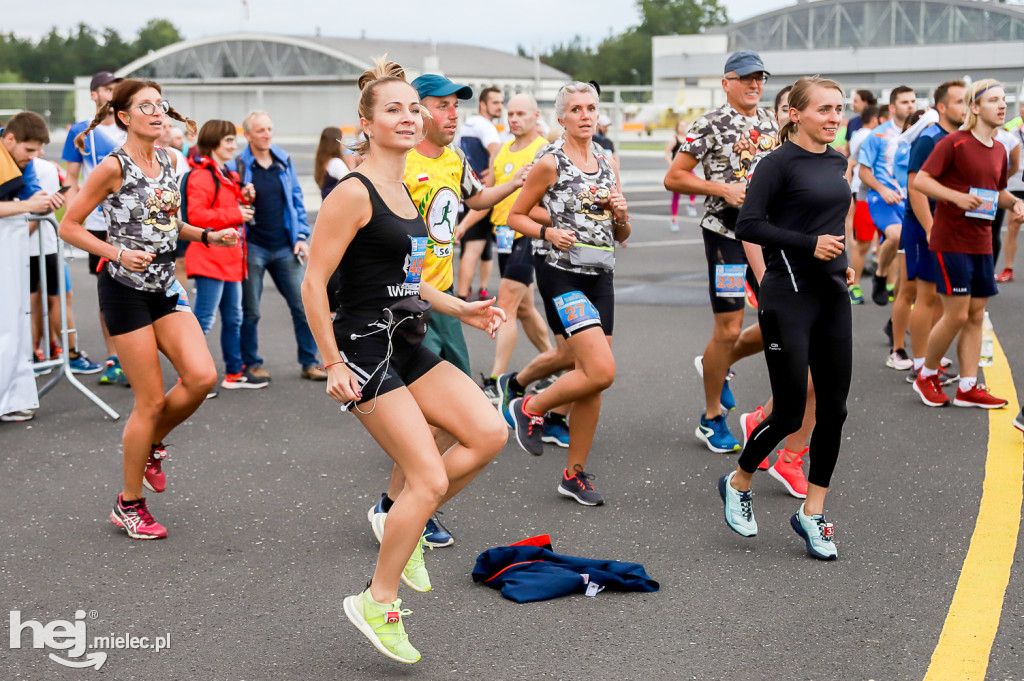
(415,573)
(382,624)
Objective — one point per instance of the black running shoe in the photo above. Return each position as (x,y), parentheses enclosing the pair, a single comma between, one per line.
(879,293)
(529,427)
(579,487)
(887,330)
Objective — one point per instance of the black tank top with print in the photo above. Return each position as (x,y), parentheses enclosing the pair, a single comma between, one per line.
(384,262)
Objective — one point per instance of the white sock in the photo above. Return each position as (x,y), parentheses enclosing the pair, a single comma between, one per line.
(928,373)
(967,383)
(918,363)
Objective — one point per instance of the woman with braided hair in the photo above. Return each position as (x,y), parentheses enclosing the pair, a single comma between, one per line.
(138,191)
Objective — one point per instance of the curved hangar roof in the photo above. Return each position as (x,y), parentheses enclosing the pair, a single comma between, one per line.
(271,58)
(829,24)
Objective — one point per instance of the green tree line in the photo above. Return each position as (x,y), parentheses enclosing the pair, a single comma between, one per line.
(58,57)
(625,58)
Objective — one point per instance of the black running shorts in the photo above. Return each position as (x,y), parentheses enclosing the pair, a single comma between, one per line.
(126,309)
(366,356)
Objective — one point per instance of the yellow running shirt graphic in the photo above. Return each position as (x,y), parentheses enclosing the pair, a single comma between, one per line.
(437,185)
(506,164)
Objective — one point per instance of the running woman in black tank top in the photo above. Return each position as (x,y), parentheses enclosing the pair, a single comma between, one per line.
(138,294)
(370,227)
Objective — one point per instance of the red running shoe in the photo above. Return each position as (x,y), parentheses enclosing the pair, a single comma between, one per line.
(154,478)
(791,474)
(748,422)
(1006,276)
(977,396)
(930,390)
(134,518)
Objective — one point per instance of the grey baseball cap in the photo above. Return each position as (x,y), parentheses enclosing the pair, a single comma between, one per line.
(744,63)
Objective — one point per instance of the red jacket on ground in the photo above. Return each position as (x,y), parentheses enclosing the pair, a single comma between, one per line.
(215,262)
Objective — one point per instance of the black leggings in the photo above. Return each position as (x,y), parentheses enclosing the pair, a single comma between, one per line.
(811,329)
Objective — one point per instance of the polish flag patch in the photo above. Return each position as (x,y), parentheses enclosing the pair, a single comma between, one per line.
(393,617)
(422,177)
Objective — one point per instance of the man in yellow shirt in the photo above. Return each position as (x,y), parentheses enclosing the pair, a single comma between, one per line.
(439,177)
(515,256)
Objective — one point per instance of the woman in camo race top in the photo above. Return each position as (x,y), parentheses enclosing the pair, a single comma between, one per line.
(138,294)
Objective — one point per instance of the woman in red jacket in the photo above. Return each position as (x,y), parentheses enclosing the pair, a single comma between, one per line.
(214,199)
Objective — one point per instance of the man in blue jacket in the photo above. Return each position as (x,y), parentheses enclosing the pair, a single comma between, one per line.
(277,241)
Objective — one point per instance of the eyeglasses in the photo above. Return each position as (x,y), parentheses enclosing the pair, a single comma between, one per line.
(749,80)
(149,108)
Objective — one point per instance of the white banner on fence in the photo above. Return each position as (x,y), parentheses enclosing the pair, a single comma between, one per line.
(17,382)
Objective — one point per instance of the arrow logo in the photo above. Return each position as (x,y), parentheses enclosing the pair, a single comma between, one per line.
(91,660)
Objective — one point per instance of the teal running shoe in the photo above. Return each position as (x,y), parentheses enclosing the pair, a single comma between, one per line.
(817,534)
(739,507)
(113,374)
(506,396)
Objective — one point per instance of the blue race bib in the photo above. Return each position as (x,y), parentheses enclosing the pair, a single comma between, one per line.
(505,236)
(576,311)
(729,280)
(417,252)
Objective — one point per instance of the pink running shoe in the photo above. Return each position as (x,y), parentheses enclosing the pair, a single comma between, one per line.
(134,518)
(791,474)
(154,478)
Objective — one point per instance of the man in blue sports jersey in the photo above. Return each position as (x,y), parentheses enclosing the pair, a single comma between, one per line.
(883,168)
(98,144)
(917,227)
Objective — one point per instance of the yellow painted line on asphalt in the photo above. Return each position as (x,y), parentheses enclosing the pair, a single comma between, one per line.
(965,643)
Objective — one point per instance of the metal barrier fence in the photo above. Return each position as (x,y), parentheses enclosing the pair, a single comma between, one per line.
(63,363)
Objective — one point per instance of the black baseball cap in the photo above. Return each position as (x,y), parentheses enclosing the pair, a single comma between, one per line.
(102,78)
(744,63)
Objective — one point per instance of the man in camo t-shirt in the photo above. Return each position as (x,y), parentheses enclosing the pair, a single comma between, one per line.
(727,142)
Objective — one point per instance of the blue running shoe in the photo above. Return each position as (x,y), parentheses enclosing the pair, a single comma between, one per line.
(727,401)
(83,365)
(505,396)
(113,374)
(437,535)
(817,534)
(739,507)
(556,430)
(377,515)
(715,434)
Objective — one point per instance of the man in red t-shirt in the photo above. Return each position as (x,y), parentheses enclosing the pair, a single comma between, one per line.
(966,175)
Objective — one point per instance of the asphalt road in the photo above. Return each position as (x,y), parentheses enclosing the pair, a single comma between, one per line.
(268,492)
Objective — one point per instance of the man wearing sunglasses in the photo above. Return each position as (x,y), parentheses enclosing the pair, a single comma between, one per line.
(727,142)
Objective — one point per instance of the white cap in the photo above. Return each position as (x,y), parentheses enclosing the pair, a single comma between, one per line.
(604,120)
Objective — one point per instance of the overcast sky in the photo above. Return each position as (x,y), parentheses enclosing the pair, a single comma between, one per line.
(484,22)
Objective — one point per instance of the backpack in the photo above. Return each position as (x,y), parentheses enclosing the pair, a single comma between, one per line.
(184,190)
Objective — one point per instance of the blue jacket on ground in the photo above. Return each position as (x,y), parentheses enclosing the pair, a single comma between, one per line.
(531,571)
(295,216)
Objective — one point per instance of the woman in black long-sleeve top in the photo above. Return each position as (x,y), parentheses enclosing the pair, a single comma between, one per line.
(795,209)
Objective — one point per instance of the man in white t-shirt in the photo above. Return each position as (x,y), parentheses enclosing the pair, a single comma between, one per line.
(1011,141)
(480,141)
(48,177)
(98,144)
(1015,187)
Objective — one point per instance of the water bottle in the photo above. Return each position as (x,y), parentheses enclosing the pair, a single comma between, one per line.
(987,339)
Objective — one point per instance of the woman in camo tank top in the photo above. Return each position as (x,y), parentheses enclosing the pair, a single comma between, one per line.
(579,187)
(138,295)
